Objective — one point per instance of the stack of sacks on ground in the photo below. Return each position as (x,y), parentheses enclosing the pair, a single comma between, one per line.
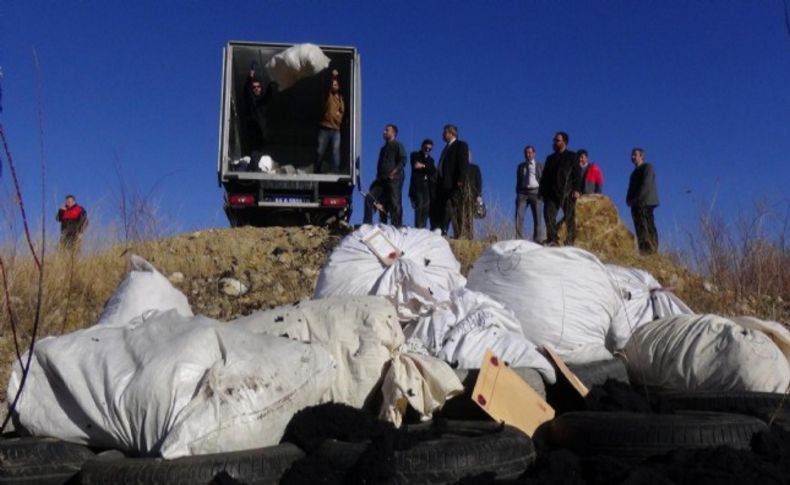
(424,282)
(709,353)
(644,299)
(165,382)
(364,336)
(563,297)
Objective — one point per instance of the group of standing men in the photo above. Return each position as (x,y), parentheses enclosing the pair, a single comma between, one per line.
(565,176)
(445,193)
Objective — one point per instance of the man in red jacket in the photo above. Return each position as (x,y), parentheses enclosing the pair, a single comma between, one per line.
(73,219)
(592,178)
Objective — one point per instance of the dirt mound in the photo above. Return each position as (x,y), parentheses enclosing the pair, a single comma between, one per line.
(599,228)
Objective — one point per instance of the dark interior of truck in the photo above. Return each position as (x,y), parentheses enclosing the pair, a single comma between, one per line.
(292,115)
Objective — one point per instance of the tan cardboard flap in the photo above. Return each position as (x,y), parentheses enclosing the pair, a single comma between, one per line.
(380,245)
(505,396)
(569,375)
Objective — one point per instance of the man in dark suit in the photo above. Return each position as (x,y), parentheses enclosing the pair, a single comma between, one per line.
(528,175)
(642,198)
(422,186)
(453,165)
(561,174)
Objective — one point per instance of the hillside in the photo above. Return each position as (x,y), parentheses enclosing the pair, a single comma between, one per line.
(281,265)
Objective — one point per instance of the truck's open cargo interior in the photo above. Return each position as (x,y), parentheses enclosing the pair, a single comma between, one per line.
(292,114)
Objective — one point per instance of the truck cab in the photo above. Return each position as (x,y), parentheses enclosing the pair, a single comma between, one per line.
(268,161)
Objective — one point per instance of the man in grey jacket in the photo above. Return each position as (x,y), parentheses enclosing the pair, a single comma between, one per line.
(642,198)
(528,176)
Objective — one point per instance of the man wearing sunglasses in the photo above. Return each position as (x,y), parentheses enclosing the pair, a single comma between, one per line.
(422,185)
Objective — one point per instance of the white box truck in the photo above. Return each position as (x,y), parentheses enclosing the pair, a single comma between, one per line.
(268,161)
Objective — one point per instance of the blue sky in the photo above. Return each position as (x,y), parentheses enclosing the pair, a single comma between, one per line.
(703,86)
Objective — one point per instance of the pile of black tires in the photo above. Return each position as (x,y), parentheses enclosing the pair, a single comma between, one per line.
(618,434)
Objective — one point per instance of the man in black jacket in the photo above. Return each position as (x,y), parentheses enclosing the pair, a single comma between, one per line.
(642,198)
(256,98)
(453,165)
(385,192)
(561,174)
(422,186)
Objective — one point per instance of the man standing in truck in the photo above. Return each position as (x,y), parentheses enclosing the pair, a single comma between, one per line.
(256,98)
(385,192)
(329,128)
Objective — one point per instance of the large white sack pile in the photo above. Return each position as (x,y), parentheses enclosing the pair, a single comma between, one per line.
(460,332)
(425,272)
(706,353)
(165,383)
(295,63)
(364,336)
(563,297)
(644,299)
(423,280)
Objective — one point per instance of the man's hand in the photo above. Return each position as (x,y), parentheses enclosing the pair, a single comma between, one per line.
(575,195)
(419,165)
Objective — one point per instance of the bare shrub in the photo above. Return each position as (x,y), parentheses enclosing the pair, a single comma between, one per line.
(746,257)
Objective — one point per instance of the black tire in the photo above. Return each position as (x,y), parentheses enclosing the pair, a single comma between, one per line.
(34,460)
(466,449)
(564,398)
(596,373)
(254,467)
(635,436)
(767,406)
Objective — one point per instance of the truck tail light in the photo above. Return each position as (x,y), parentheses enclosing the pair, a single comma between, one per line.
(242,199)
(333,202)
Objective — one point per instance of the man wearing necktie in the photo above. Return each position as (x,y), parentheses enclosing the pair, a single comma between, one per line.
(453,167)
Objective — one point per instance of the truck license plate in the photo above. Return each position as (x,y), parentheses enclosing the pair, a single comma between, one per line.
(290,200)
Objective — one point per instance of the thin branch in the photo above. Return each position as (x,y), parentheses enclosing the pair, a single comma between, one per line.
(19,200)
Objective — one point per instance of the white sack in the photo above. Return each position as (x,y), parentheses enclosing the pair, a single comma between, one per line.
(562,297)
(144,288)
(169,384)
(425,274)
(295,63)
(364,336)
(777,332)
(266,164)
(705,353)
(421,381)
(461,331)
(644,299)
